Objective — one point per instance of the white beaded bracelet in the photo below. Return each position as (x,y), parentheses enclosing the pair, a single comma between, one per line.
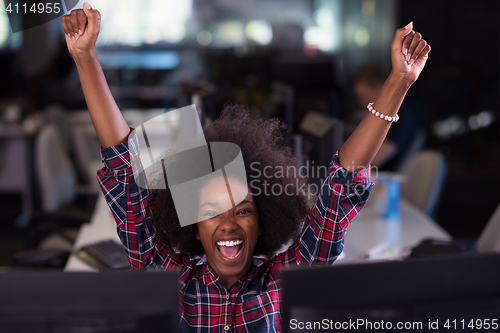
(381,115)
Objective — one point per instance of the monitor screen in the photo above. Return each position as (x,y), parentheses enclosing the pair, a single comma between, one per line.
(438,295)
(89,302)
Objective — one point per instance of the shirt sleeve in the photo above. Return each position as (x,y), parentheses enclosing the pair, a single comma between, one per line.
(130,205)
(341,197)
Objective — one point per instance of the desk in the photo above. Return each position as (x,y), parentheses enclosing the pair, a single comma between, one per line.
(368,230)
(102,226)
(365,232)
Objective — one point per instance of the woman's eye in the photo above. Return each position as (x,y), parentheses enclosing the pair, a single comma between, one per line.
(244,211)
(210,214)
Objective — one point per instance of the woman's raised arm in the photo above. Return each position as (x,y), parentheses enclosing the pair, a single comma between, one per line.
(409,52)
(82,28)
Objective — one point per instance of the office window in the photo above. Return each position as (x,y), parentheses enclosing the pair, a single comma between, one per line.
(8,40)
(4,27)
(326,31)
(133,22)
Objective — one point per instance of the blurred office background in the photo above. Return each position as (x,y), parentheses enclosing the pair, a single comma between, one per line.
(282,58)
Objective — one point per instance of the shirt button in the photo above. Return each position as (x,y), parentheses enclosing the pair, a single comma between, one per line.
(226,328)
(227,296)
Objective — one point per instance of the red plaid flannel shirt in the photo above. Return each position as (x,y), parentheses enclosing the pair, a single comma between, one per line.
(252,304)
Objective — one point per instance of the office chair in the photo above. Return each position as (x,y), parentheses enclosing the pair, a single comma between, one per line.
(54,228)
(424,179)
(80,143)
(415,147)
(58,116)
(55,173)
(489,240)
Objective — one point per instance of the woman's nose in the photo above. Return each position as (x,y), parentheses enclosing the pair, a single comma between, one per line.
(228,221)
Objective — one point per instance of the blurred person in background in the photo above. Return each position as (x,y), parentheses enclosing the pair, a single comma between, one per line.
(367,84)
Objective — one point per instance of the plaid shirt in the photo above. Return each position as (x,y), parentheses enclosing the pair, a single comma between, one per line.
(252,304)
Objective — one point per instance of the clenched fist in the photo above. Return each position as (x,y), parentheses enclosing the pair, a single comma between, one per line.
(81,27)
(409,52)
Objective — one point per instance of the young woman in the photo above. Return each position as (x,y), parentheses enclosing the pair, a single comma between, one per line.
(229,288)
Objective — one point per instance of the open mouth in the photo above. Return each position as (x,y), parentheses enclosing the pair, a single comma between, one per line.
(230,249)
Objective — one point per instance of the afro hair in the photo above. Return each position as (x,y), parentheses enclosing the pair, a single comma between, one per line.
(262,146)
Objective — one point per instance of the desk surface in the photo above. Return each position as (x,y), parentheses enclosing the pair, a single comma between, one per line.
(101,227)
(368,231)
(365,232)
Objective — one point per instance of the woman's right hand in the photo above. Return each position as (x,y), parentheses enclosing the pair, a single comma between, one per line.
(81,27)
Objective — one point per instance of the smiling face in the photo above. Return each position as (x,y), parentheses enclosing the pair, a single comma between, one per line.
(228,237)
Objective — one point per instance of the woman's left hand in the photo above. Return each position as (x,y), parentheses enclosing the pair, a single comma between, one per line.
(409,52)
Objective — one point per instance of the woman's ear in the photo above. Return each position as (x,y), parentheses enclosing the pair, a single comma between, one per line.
(197,235)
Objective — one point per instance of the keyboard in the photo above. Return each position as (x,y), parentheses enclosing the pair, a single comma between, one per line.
(105,254)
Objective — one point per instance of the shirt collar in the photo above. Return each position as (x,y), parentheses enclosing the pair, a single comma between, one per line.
(202,261)
(255,261)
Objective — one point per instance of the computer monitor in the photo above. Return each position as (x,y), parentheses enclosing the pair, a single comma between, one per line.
(89,302)
(322,136)
(438,295)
